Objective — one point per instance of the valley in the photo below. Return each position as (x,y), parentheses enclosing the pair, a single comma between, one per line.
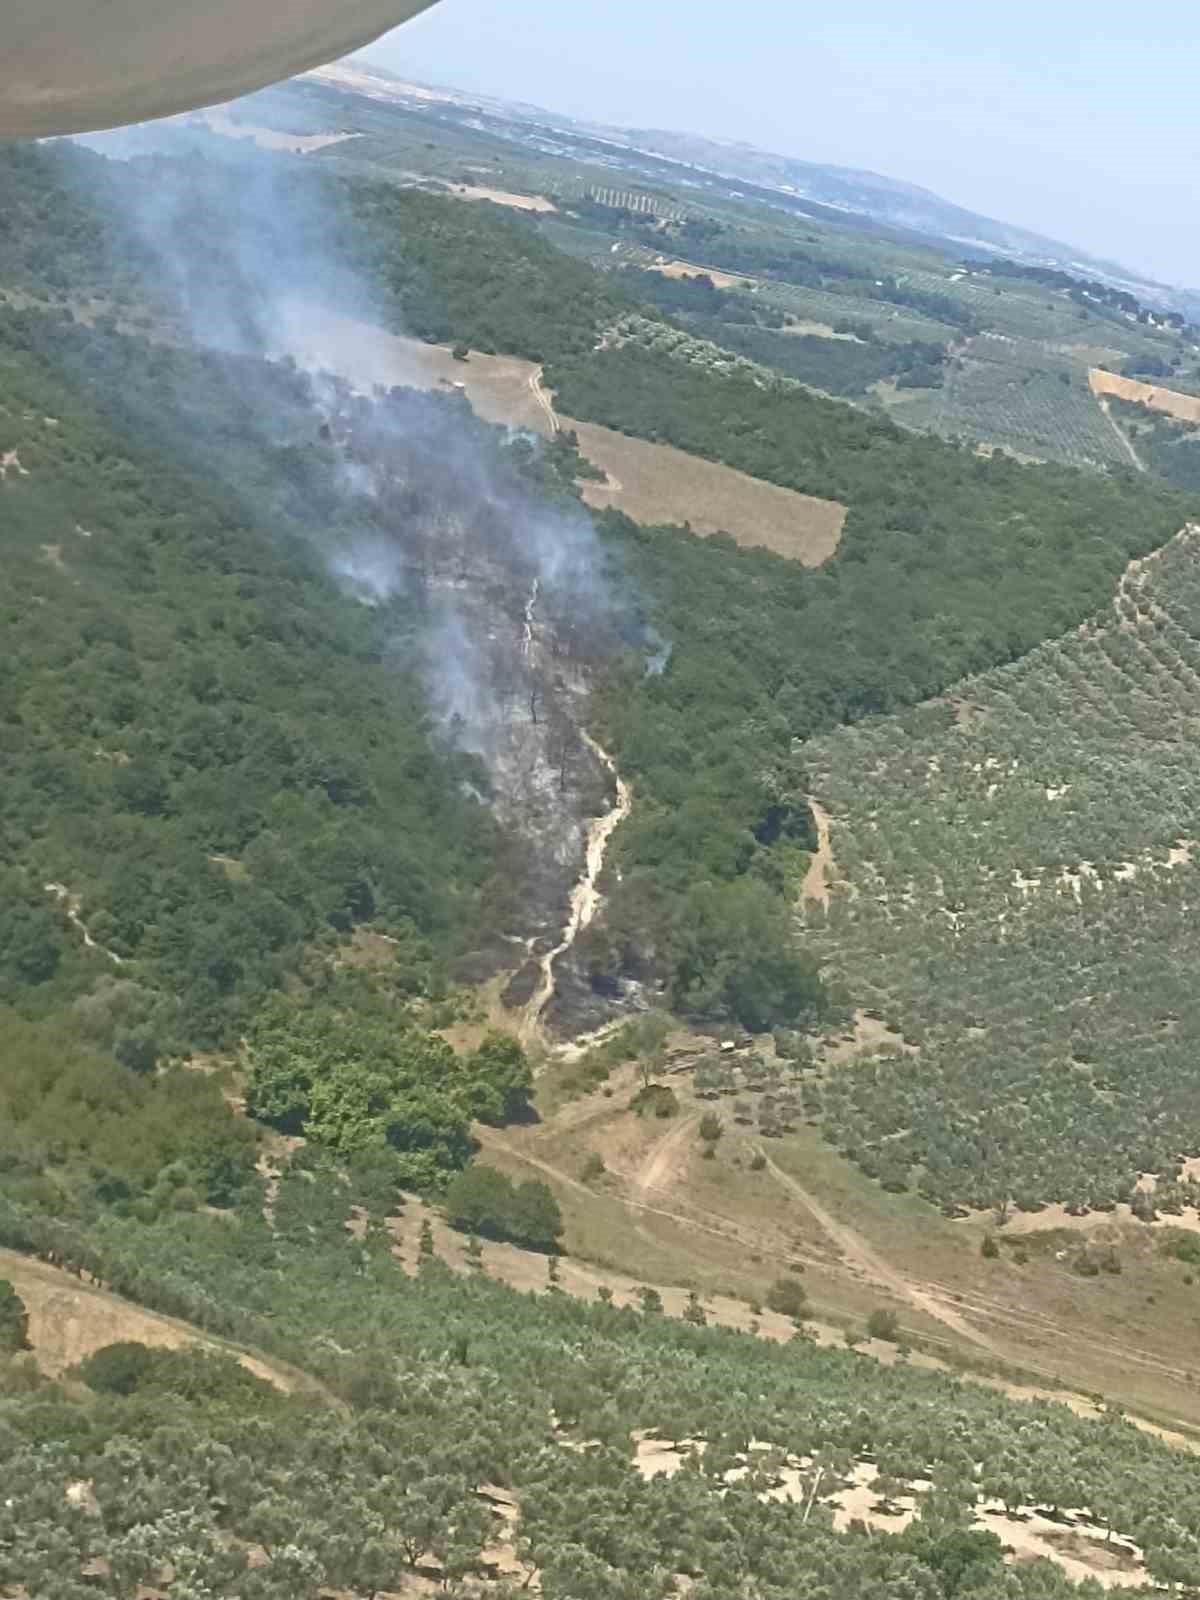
(597,876)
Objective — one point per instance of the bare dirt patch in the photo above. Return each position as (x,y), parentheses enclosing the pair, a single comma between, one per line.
(498,387)
(689,269)
(69,1319)
(501,197)
(820,868)
(818,330)
(1186,407)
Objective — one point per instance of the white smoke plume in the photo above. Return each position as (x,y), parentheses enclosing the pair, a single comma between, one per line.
(256,255)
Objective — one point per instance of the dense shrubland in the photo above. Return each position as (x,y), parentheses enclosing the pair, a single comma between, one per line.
(79,1129)
(948,564)
(753,326)
(214,751)
(348,1073)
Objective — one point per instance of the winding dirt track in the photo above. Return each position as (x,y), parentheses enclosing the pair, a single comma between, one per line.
(543,399)
(858,1255)
(662,1158)
(858,1261)
(1126,442)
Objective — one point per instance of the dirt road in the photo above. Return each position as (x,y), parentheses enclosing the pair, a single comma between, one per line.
(542,398)
(663,1159)
(1126,441)
(861,1258)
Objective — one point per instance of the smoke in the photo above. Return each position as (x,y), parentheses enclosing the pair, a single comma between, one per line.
(659,648)
(237,237)
(258,255)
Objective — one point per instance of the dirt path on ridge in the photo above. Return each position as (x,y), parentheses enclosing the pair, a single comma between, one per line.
(820,868)
(1126,442)
(542,398)
(662,1160)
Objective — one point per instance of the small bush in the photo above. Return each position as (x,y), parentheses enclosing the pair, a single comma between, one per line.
(593,1168)
(655,1100)
(883,1324)
(1181,1244)
(117,1368)
(988,1248)
(14,1320)
(711,1127)
(787,1297)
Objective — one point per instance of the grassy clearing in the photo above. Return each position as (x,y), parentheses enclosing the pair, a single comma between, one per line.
(727,1230)
(70,1319)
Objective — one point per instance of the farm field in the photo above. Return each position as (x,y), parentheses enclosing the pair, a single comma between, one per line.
(995,396)
(657,484)
(653,483)
(1022,909)
(1184,407)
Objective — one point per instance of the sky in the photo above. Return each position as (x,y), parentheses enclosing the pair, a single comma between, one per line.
(1079,120)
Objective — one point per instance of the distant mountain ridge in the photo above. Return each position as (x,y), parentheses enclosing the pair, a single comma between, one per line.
(872,196)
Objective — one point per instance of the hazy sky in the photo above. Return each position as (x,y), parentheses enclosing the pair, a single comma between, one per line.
(1080,120)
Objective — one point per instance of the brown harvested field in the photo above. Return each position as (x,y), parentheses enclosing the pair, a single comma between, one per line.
(1185,407)
(500,388)
(501,197)
(653,483)
(69,1319)
(657,483)
(689,269)
(302,144)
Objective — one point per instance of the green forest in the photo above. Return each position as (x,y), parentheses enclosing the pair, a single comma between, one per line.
(207,745)
(247,821)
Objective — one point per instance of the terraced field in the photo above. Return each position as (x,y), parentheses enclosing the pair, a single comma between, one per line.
(1015,890)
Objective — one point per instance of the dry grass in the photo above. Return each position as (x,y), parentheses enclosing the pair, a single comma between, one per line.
(501,197)
(69,1319)
(689,269)
(1186,407)
(655,483)
(662,1213)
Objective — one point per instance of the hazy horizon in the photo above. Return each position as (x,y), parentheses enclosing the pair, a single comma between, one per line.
(1012,122)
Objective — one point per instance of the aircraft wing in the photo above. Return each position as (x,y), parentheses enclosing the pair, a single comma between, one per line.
(70,66)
